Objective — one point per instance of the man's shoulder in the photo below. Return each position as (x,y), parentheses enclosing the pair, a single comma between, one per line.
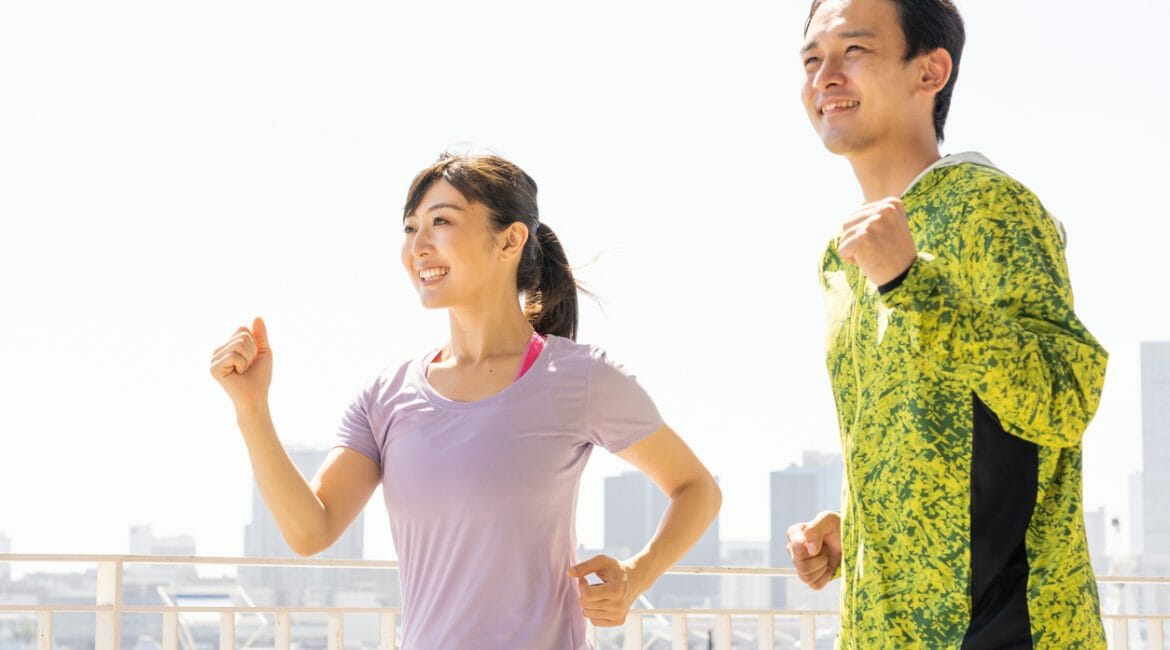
(974,182)
(983,198)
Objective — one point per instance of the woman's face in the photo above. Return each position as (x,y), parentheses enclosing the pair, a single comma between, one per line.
(450,252)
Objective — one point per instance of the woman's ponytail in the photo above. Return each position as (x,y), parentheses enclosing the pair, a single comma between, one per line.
(551,306)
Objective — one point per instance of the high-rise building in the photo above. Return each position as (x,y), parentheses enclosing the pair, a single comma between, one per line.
(305,586)
(262,537)
(633,508)
(1137,535)
(1095,525)
(5,569)
(144,542)
(1156,450)
(798,494)
(745,591)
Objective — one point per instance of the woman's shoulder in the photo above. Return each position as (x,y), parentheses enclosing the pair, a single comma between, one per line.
(593,361)
(565,350)
(389,381)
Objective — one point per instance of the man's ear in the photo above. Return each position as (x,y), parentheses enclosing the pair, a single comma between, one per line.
(935,71)
(513,239)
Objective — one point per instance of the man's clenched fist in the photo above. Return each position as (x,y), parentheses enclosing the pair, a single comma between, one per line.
(877,239)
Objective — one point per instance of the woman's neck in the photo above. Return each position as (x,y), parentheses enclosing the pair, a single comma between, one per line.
(484,332)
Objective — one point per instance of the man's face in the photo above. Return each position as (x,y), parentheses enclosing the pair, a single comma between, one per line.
(858,91)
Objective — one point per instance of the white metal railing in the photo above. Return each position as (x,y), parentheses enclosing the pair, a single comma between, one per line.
(109,607)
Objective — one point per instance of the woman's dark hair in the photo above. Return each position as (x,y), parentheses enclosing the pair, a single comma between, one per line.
(927,25)
(509,194)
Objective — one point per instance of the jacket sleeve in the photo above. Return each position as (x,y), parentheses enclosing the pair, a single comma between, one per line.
(998,316)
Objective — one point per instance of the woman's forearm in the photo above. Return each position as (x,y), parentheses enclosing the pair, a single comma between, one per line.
(298,511)
(691,510)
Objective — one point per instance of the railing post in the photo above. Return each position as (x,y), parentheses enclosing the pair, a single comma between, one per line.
(808,631)
(678,632)
(44,630)
(336,639)
(1154,634)
(170,634)
(1121,634)
(723,632)
(767,632)
(633,639)
(388,632)
(108,626)
(227,631)
(282,631)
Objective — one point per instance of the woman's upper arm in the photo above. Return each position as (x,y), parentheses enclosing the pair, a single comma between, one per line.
(666,459)
(344,484)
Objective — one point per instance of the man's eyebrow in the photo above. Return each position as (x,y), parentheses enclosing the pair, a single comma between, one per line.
(437,206)
(853,33)
(859,33)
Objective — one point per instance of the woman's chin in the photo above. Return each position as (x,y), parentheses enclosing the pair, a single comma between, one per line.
(430,301)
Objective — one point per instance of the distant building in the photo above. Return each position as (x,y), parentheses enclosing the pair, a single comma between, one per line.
(1155,493)
(1095,526)
(745,591)
(5,568)
(1156,451)
(309,586)
(1137,534)
(144,542)
(798,494)
(633,508)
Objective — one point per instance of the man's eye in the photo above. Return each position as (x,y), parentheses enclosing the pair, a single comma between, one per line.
(854,48)
(811,60)
(439,220)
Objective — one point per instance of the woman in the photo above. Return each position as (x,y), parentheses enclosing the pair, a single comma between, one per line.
(480,445)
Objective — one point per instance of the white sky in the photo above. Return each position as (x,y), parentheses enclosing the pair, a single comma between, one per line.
(167,171)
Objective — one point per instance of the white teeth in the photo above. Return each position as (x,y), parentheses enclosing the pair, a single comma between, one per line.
(837,105)
(430,274)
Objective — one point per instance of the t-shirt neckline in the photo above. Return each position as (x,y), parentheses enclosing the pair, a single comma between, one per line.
(438,399)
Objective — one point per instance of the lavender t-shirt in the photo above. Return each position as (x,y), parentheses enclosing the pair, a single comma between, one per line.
(482,495)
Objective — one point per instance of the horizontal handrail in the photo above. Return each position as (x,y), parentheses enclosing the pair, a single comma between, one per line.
(109,605)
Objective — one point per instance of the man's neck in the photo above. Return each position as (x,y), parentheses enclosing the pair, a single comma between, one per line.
(886,171)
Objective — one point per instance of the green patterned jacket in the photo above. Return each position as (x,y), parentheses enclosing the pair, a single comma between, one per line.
(962,395)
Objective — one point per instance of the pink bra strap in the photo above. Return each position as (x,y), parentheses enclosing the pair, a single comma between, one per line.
(535,345)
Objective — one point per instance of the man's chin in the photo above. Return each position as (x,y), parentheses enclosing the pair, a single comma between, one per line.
(842,144)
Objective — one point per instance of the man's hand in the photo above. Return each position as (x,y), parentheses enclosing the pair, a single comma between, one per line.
(606,604)
(815,548)
(877,239)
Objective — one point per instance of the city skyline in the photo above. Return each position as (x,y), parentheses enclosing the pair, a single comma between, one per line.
(633,508)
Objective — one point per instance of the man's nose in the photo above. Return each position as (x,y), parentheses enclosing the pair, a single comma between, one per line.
(829,74)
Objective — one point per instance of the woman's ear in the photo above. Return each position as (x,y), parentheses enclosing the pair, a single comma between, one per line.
(514,237)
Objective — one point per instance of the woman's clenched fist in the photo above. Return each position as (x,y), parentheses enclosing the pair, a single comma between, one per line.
(243,366)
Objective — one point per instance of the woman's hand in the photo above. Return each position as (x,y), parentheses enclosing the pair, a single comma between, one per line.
(243,367)
(608,603)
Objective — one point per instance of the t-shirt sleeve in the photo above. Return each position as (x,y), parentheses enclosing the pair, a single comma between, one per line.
(355,431)
(619,412)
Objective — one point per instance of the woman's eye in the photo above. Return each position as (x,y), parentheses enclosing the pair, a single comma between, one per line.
(811,60)
(408,229)
(439,220)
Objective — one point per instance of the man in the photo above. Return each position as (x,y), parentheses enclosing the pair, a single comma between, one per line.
(963,379)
